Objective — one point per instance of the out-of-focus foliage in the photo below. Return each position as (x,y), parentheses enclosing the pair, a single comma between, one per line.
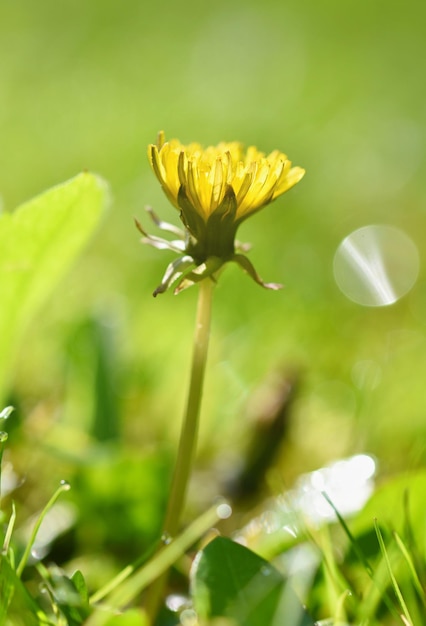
(38,242)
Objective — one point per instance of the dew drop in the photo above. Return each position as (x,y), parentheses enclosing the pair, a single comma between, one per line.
(65,485)
(265,570)
(44,588)
(376,265)
(3,436)
(176,602)
(291,530)
(166,539)
(5,413)
(188,617)
(224,511)
(37,554)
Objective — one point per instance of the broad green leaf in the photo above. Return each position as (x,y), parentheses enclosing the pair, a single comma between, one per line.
(38,243)
(228,580)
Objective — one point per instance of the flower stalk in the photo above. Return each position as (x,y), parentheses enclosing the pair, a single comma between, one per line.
(188,437)
(189,431)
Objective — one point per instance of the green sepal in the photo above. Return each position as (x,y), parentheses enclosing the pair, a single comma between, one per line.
(177,245)
(205,270)
(173,272)
(248,267)
(162,225)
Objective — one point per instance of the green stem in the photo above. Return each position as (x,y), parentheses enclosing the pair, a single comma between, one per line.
(64,486)
(188,437)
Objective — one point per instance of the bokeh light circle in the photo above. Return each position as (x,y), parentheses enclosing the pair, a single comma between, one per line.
(376,265)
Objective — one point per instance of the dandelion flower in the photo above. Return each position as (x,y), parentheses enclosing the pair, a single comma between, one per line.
(215,189)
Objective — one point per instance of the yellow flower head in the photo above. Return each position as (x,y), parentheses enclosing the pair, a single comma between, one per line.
(215,189)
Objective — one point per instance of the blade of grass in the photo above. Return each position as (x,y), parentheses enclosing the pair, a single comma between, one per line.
(359,553)
(4,415)
(410,563)
(64,486)
(395,585)
(410,541)
(340,616)
(373,596)
(9,530)
(336,584)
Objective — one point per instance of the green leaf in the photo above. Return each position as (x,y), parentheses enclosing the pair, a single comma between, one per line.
(16,604)
(67,597)
(38,243)
(80,584)
(228,580)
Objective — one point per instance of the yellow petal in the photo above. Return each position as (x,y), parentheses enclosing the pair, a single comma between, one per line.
(205,174)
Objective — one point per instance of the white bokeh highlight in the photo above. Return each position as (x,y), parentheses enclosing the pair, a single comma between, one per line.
(376,265)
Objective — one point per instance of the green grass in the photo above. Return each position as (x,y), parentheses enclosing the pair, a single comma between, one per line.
(344,572)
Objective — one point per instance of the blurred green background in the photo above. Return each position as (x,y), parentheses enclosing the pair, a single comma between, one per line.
(99,383)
